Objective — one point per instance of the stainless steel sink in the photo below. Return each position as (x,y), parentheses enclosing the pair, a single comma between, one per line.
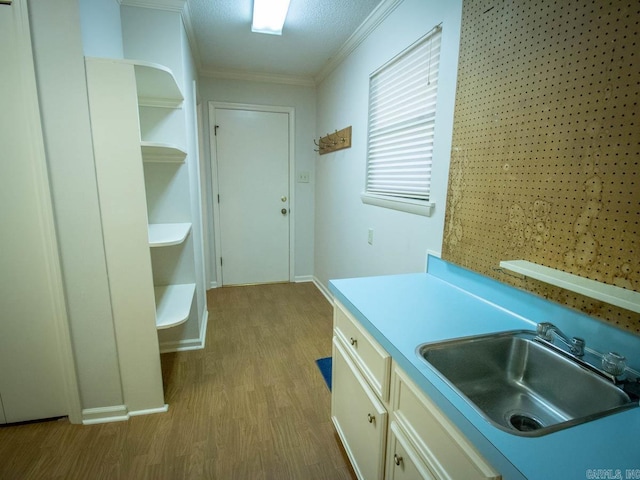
(522,385)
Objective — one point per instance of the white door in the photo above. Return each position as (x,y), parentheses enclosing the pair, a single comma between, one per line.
(252,153)
(32,380)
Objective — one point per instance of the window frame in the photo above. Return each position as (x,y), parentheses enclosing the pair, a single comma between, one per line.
(397,200)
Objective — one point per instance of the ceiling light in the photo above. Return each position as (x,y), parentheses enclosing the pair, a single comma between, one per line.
(269,15)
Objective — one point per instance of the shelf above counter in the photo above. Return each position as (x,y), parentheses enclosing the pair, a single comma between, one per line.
(618,296)
(167,234)
(157,87)
(173,304)
(154,152)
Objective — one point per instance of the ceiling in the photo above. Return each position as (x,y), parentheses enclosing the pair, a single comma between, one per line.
(315,31)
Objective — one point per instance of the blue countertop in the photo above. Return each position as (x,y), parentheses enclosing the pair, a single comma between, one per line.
(403,311)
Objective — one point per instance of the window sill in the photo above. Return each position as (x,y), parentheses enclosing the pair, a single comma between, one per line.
(417,207)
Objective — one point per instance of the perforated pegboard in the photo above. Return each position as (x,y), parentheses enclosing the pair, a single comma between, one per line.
(546,144)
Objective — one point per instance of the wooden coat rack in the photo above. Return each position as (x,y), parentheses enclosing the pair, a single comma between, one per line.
(334,141)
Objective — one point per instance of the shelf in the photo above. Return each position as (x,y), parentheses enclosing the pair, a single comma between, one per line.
(157,87)
(162,153)
(620,297)
(173,304)
(167,234)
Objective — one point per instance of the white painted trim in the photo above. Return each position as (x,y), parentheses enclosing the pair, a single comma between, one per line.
(115,413)
(213,285)
(418,207)
(324,290)
(149,411)
(171,5)
(297,80)
(303,278)
(41,177)
(382,11)
(190,344)
(214,173)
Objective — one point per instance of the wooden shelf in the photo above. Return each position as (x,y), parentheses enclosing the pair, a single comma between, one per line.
(167,234)
(173,304)
(157,87)
(162,153)
(620,297)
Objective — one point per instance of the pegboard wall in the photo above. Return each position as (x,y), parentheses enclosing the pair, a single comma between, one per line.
(546,144)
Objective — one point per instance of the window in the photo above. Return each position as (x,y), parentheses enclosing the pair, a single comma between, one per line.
(402,108)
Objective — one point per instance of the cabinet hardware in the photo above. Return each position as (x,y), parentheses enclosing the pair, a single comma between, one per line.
(353,341)
(397,459)
(371,418)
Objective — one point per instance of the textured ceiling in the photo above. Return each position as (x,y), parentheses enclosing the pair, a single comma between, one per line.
(313,32)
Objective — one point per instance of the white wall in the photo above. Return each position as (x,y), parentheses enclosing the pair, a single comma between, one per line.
(303,100)
(65,119)
(400,240)
(101,28)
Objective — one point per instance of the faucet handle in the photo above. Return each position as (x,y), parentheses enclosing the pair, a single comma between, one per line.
(614,363)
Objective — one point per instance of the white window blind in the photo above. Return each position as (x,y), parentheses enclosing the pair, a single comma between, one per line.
(402,107)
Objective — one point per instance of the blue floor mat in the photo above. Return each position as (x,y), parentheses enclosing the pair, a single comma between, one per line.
(324,364)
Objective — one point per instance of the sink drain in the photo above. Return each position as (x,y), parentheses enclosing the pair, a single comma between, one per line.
(524,423)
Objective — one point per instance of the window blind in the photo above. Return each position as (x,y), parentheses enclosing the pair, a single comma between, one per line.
(402,107)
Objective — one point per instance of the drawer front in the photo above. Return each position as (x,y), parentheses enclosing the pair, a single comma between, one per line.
(447,453)
(359,417)
(403,462)
(372,360)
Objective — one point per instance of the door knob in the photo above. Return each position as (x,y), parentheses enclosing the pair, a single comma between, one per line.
(283,211)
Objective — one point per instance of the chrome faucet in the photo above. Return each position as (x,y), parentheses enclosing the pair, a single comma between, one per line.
(547,331)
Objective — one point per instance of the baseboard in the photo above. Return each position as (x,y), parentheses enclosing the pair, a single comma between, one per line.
(324,290)
(190,344)
(149,411)
(213,284)
(116,413)
(303,278)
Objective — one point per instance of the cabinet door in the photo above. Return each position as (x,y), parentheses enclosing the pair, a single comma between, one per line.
(359,417)
(403,462)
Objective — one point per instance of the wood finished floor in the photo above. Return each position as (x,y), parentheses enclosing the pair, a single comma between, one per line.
(251,405)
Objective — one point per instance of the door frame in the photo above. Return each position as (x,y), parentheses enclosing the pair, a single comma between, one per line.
(214,175)
(60,318)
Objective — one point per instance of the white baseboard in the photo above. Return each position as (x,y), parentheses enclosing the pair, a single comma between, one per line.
(324,290)
(213,284)
(115,413)
(303,278)
(189,344)
(149,411)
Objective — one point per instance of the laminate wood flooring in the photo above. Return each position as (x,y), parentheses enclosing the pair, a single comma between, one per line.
(251,405)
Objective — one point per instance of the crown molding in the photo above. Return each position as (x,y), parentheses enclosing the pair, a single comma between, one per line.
(382,11)
(258,77)
(171,5)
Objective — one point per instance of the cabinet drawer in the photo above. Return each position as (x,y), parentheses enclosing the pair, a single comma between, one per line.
(372,360)
(359,417)
(447,453)
(403,462)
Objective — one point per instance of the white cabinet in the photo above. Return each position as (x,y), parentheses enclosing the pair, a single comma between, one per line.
(358,415)
(439,444)
(360,390)
(388,426)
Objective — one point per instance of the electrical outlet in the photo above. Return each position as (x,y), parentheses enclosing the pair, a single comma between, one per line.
(303,177)
(370,237)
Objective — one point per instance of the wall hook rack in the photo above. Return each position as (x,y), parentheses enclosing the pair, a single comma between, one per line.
(334,141)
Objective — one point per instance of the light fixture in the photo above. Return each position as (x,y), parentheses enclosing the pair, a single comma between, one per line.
(269,15)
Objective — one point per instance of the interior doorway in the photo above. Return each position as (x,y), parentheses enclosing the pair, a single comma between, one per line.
(252,165)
